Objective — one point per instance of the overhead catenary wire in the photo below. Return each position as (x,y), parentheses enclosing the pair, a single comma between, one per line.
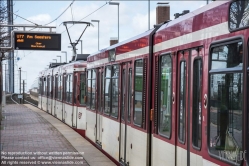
(89,14)
(24,18)
(60,14)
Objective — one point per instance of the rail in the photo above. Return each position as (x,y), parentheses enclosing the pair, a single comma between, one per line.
(13,99)
(30,103)
(24,100)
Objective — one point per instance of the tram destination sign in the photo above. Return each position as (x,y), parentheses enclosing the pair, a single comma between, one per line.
(37,41)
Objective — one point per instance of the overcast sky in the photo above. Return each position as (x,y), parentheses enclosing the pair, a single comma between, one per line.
(133,20)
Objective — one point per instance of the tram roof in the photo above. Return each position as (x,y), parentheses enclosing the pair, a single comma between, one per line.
(148,32)
(193,14)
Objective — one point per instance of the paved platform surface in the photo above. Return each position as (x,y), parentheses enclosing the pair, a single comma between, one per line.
(30,136)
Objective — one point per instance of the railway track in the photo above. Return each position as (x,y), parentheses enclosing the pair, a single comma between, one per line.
(13,99)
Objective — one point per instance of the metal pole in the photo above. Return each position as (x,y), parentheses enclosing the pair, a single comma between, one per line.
(5,78)
(81,46)
(60,58)
(98,35)
(118,22)
(20,84)
(149,14)
(66,54)
(23,91)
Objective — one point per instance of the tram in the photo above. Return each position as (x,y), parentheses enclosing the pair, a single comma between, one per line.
(174,95)
(62,93)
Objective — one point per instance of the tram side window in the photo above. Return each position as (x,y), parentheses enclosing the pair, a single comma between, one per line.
(107,91)
(51,86)
(59,88)
(48,86)
(182,103)
(114,100)
(89,85)
(40,86)
(93,89)
(138,99)
(82,88)
(197,103)
(69,88)
(44,86)
(56,87)
(238,14)
(64,92)
(226,97)
(164,96)
(129,95)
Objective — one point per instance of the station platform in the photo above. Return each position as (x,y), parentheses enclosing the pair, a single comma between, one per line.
(30,136)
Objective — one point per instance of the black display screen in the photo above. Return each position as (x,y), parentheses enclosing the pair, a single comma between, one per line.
(37,41)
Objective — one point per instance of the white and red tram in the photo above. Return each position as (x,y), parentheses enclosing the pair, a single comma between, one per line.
(174,95)
(66,99)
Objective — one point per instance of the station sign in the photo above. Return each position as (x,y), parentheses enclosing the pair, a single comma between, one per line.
(37,41)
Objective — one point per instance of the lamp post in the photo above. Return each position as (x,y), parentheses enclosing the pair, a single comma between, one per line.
(148,14)
(116,3)
(60,57)
(55,60)
(98,30)
(65,53)
(81,46)
(5,78)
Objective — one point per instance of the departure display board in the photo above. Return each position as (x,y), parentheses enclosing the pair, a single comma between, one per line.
(37,41)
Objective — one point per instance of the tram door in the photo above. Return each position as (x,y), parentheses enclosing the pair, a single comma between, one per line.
(189,107)
(182,143)
(99,110)
(125,105)
(74,103)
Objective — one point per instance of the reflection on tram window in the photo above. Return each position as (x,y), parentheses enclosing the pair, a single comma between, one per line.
(239,14)
(93,90)
(129,95)
(227,56)
(60,87)
(40,86)
(138,102)
(164,98)
(182,102)
(123,94)
(69,88)
(226,113)
(44,86)
(197,103)
(89,76)
(115,97)
(48,86)
(56,87)
(107,91)
(226,96)
(82,87)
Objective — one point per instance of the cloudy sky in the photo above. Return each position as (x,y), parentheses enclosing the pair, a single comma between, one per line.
(133,20)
